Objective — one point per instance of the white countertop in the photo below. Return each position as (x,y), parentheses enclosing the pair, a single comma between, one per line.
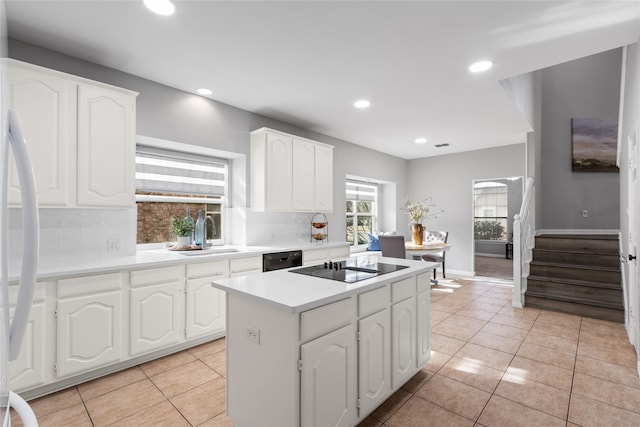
(53,267)
(296,292)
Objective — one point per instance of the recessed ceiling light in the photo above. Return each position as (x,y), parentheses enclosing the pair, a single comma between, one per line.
(363,103)
(204,91)
(161,7)
(480,66)
(420,140)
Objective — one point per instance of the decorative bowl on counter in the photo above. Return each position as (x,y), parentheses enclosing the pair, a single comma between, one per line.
(319,236)
(319,225)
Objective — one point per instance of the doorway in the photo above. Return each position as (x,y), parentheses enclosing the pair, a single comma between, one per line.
(495,202)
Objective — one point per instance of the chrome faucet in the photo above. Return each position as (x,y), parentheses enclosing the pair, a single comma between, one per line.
(205,244)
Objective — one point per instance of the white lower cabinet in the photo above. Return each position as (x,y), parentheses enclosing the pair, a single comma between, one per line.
(374,355)
(89,323)
(205,309)
(328,380)
(423,316)
(28,370)
(403,344)
(245,266)
(156,309)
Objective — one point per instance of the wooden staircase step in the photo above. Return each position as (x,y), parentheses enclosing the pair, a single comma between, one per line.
(582,293)
(577,272)
(603,313)
(577,257)
(588,283)
(589,243)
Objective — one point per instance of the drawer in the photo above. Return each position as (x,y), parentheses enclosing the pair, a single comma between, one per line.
(424,282)
(327,318)
(403,289)
(372,301)
(240,266)
(154,276)
(208,269)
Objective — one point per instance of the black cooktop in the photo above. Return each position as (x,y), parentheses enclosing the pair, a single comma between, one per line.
(349,271)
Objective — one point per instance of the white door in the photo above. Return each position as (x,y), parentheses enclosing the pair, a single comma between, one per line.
(374,345)
(328,380)
(633,216)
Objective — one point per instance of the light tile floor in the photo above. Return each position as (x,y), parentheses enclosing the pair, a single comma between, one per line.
(491,365)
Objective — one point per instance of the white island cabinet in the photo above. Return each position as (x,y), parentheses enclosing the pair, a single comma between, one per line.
(307,351)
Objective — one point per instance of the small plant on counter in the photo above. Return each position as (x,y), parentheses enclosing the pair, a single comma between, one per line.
(181,227)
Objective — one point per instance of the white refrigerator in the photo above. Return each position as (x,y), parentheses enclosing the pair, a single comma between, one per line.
(12,328)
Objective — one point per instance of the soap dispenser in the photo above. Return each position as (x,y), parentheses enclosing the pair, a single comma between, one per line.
(199,240)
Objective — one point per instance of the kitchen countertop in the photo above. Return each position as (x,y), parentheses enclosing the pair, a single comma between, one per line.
(296,292)
(53,267)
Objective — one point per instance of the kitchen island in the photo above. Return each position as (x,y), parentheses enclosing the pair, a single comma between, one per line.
(304,350)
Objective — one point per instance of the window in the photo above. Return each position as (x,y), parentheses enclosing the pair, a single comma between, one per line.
(490,211)
(362,211)
(170,182)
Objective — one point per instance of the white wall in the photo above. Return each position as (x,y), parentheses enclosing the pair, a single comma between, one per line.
(449,180)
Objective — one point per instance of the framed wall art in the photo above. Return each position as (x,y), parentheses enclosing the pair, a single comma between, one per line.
(594,145)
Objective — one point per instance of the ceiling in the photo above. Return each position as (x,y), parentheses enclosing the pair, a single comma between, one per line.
(306,62)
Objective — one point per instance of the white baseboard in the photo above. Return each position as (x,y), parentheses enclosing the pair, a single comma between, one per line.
(490,255)
(580,231)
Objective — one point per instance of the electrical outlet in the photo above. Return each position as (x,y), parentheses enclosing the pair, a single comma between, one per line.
(114,245)
(252,333)
(585,213)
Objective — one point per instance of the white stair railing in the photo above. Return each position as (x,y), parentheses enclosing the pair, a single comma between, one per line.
(523,243)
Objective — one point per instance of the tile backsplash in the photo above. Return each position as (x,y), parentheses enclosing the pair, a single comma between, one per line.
(73,231)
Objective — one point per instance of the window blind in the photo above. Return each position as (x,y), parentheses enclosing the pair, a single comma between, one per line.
(361,191)
(166,171)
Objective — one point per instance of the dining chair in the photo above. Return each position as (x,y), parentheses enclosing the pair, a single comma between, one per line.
(392,246)
(436,236)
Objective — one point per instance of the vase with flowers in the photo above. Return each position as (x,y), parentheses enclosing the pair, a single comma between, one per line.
(417,210)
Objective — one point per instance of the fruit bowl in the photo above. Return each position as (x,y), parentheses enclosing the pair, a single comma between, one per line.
(319,225)
(319,236)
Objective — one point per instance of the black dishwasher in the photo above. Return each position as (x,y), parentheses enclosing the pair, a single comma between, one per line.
(280,260)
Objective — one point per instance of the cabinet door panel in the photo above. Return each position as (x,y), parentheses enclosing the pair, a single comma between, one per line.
(155,317)
(374,359)
(278,173)
(106,147)
(89,332)
(403,347)
(28,369)
(324,178)
(46,107)
(328,380)
(303,182)
(205,308)
(424,328)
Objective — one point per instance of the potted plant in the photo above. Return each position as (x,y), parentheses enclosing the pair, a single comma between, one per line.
(417,210)
(182,228)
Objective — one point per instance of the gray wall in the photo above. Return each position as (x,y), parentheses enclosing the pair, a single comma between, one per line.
(449,180)
(585,88)
(3,31)
(167,113)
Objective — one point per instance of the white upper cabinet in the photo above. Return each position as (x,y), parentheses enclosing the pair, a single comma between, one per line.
(80,135)
(289,173)
(106,147)
(46,106)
